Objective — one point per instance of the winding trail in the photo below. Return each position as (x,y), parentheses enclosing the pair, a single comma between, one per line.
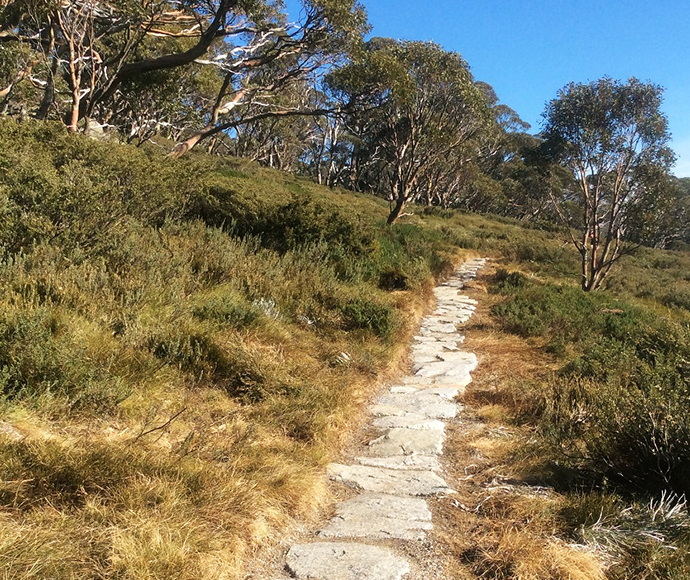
(398,470)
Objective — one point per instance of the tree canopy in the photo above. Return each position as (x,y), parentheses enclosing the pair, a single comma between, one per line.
(614,138)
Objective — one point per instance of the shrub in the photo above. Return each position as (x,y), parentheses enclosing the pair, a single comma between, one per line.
(227,366)
(367,314)
(41,362)
(633,435)
(228,310)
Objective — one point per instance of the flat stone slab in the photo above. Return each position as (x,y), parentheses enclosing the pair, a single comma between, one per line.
(438,328)
(379,517)
(449,393)
(419,381)
(460,364)
(408,422)
(344,561)
(390,481)
(445,342)
(404,441)
(430,406)
(433,346)
(417,462)
(460,381)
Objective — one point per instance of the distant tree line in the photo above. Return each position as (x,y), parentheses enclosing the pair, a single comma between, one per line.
(404,120)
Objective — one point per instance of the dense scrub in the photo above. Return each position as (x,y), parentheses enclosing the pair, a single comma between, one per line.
(183,344)
(613,420)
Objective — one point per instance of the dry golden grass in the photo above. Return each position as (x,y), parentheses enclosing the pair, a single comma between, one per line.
(186,482)
(499,526)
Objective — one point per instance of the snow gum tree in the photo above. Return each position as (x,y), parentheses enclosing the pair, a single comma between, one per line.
(421,118)
(614,138)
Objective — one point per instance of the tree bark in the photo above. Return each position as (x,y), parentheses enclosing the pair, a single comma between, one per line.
(400,203)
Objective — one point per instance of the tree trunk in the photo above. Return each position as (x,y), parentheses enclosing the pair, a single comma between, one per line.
(397,210)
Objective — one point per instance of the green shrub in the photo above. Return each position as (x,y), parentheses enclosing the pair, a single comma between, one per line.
(367,314)
(634,435)
(619,408)
(226,366)
(41,362)
(228,310)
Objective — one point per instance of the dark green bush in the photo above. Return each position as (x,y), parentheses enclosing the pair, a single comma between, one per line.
(40,361)
(228,310)
(71,190)
(367,314)
(227,367)
(635,435)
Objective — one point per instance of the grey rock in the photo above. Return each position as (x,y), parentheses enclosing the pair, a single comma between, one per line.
(407,462)
(449,392)
(344,561)
(408,422)
(10,431)
(390,481)
(431,406)
(378,516)
(404,390)
(402,441)
(438,328)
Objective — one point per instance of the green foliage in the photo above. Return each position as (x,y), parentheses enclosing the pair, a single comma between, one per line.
(119,264)
(371,315)
(618,408)
(560,313)
(43,363)
(76,191)
(229,310)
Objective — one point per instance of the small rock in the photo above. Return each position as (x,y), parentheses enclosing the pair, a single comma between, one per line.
(11,432)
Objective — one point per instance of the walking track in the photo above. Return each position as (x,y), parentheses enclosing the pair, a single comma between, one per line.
(397,471)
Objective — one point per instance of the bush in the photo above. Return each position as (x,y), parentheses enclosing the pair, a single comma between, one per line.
(619,408)
(229,311)
(41,362)
(634,435)
(74,191)
(366,314)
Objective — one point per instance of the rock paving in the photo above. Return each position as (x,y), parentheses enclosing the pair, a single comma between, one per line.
(400,467)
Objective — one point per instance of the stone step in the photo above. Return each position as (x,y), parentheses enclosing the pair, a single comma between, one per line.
(403,441)
(400,405)
(390,481)
(408,422)
(379,517)
(403,462)
(344,561)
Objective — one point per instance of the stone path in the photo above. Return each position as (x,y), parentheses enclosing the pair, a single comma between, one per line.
(400,468)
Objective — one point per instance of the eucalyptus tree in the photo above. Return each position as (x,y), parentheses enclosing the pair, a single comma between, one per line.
(420,118)
(226,58)
(613,138)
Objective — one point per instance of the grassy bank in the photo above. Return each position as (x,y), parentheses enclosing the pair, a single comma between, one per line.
(600,419)
(183,346)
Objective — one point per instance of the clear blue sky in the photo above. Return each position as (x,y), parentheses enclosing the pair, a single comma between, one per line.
(528,49)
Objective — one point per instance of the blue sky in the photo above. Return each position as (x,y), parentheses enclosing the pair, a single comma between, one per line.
(528,49)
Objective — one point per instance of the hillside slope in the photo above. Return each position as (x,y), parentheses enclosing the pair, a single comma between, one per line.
(184,344)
